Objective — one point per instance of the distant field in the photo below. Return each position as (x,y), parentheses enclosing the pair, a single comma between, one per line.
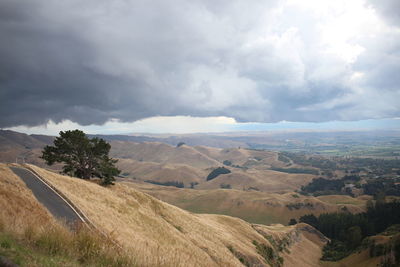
(366,150)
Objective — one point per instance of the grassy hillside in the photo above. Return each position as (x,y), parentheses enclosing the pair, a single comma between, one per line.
(156,233)
(161,153)
(243,157)
(358,259)
(262,180)
(161,172)
(160,162)
(14,144)
(164,163)
(30,236)
(252,206)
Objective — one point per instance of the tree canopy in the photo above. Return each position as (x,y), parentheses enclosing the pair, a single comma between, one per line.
(216,172)
(83,157)
(347,230)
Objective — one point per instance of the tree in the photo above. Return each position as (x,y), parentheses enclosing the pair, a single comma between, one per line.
(227,162)
(82,157)
(310,219)
(354,236)
(180,144)
(214,173)
(292,221)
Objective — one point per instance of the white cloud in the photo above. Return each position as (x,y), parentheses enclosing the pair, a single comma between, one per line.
(177,124)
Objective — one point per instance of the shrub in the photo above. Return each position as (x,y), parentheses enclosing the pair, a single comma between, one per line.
(227,162)
(193,184)
(216,172)
(180,144)
(296,170)
(225,186)
(270,256)
(168,183)
(283,158)
(242,258)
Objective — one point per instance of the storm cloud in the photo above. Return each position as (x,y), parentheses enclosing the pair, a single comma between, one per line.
(260,61)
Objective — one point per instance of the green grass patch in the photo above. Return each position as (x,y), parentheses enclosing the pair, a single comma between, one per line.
(296,170)
(269,254)
(58,247)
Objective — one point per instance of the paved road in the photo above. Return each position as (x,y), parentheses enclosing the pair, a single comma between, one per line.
(52,201)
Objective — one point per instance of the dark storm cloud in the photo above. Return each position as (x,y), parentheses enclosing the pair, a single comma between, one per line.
(388,9)
(48,70)
(91,61)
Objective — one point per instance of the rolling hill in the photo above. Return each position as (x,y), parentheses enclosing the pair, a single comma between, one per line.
(252,206)
(158,234)
(160,162)
(163,163)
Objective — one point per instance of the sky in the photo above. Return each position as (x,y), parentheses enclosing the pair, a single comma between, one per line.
(123,66)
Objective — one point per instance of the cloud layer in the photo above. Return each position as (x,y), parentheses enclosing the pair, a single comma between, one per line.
(261,61)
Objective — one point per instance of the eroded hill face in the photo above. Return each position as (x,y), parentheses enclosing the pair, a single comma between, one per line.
(161,234)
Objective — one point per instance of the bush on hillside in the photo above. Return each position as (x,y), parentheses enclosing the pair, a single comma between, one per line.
(168,183)
(216,172)
(227,162)
(180,144)
(225,186)
(193,184)
(296,170)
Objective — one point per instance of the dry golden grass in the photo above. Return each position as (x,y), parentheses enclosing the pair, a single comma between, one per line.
(157,233)
(161,172)
(236,156)
(263,180)
(252,206)
(161,153)
(344,199)
(19,208)
(358,259)
(163,163)
(33,228)
(241,156)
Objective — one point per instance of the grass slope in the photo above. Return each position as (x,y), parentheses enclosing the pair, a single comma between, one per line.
(157,233)
(161,153)
(30,236)
(252,206)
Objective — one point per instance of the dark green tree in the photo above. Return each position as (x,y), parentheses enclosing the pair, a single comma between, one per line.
(292,221)
(216,172)
(354,237)
(180,144)
(83,157)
